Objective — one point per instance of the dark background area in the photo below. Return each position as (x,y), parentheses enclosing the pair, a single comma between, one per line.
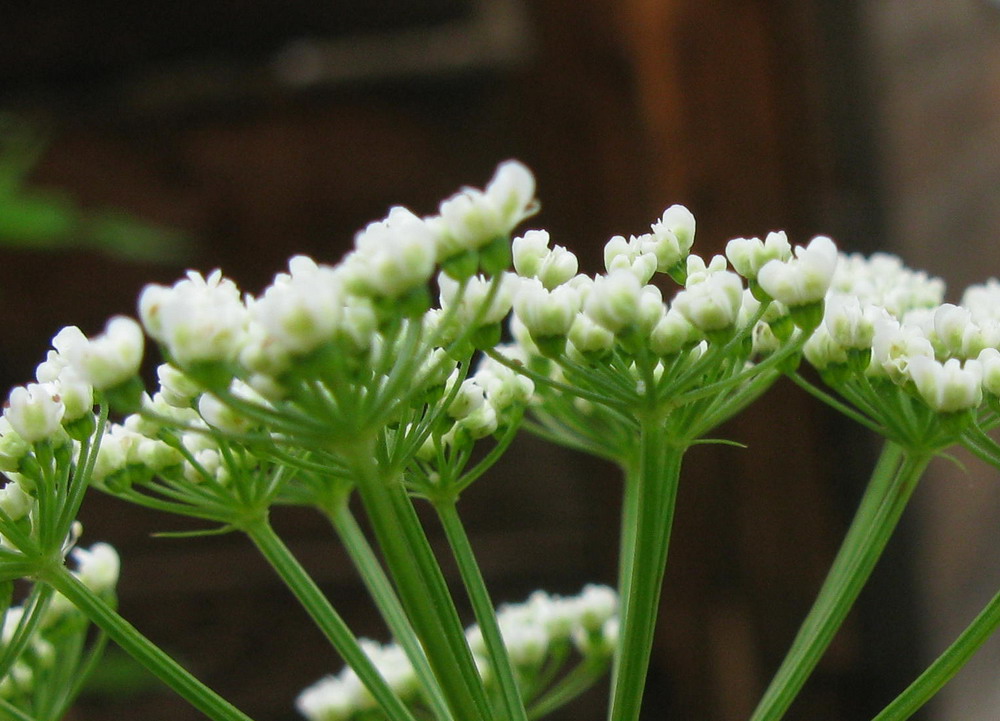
(260,130)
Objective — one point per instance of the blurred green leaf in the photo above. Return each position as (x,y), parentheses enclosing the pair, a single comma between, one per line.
(53,220)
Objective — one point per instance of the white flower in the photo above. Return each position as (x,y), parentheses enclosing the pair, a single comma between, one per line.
(621,254)
(948,387)
(392,257)
(512,192)
(503,386)
(546,313)
(109,359)
(48,370)
(529,251)
(711,301)
(882,280)
(894,346)
(473,219)
(469,398)
(983,300)
(35,411)
(822,350)
(749,255)
(651,308)
(534,259)
(595,605)
(97,567)
(959,335)
(614,300)
(329,699)
(198,319)
(219,415)
(586,336)
(671,238)
(672,334)
(805,278)
(76,394)
(481,422)
(302,309)
(176,387)
(157,455)
(119,448)
(850,323)
(697,271)
(14,501)
(989,360)
(472,303)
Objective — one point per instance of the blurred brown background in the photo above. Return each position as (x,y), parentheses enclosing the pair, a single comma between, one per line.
(263,129)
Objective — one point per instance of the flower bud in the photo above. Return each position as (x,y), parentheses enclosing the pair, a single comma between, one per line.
(614,300)
(512,192)
(176,388)
(546,314)
(14,501)
(671,238)
(97,567)
(672,334)
(713,302)
(749,255)
(588,337)
(803,280)
(948,387)
(108,360)
(35,412)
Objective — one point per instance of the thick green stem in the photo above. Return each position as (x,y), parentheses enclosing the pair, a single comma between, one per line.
(650,506)
(946,665)
(385,599)
(421,587)
(483,608)
(893,481)
(326,618)
(140,648)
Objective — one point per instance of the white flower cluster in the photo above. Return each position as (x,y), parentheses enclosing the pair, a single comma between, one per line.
(889,322)
(531,631)
(62,399)
(559,312)
(202,320)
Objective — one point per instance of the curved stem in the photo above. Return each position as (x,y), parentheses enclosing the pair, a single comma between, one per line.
(946,665)
(892,482)
(141,648)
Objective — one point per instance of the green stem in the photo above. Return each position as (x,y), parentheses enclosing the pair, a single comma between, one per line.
(483,608)
(382,593)
(569,687)
(946,665)
(140,648)
(326,617)
(893,481)
(33,610)
(652,505)
(10,712)
(421,586)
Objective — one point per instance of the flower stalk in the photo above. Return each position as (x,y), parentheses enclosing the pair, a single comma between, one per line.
(893,481)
